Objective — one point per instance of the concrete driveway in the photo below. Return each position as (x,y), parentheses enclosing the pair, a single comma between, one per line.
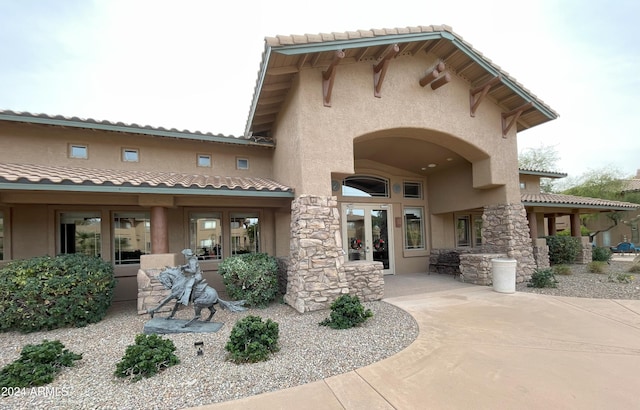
(479,349)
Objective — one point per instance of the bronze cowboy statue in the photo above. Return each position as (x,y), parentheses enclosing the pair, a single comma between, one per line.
(188,286)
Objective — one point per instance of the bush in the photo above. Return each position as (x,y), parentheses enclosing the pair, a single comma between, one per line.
(563,249)
(346,312)
(149,355)
(543,278)
(252,277)
(46,292)
(621,277)
(37,365)
(252,340)
(600,254)
(562,270)
(596,267)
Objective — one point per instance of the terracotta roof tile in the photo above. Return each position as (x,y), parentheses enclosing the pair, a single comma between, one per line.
(59,175)
(581,201)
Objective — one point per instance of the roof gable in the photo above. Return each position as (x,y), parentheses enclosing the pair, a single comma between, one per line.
(285,56)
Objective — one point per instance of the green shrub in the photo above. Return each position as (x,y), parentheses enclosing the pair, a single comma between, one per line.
(621,277)
(600,254)
(596,267)
(346,312)
(252,340)
(252,277)
(562,270)
(44,293)
(149,355)
(563,249)
(543,278)
(37,365)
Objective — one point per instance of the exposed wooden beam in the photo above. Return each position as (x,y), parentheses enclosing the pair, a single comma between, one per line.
(272,100)
(302,60)
(465,66)
(380,69)
(514,114)
(363,52)
(315,59)
(477,94)
(431,46)
(432,74)
(406,47)
(328,78)
(444,79)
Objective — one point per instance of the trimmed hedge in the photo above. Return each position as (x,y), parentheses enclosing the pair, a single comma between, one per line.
(45,293)
(252,277)
(563,249)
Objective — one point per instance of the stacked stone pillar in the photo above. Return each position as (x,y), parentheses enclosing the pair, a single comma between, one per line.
(315,273)
(505,229)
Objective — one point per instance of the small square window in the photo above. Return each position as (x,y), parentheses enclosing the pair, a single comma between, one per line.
(204,160)
(413,190)
(78,151)
(523,185)
(130,155)
(242,163)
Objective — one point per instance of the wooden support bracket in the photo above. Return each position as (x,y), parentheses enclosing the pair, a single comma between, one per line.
(328,77)
(432,74)
(481,91)
(514,114)
(380,69)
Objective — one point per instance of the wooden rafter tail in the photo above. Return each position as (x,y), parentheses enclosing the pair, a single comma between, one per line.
(380,69)
(442,80)
(514,114)
(432,73)
(328,77)
(482,90)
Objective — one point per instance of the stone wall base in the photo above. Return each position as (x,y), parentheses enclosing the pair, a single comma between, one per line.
(151,291)
(365,279)
(541,253)
(477,268)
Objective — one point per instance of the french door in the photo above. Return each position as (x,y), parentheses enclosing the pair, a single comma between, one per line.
(366,234)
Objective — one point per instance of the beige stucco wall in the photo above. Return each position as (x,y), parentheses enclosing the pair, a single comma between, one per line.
(313,140)
(25,143)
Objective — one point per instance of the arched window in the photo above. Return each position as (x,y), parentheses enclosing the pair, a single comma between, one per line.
(365,186)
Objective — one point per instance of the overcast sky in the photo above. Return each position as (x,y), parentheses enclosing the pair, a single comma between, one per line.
(194,64)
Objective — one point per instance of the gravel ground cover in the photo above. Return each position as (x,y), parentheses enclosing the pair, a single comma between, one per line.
(583,284)
(308,352)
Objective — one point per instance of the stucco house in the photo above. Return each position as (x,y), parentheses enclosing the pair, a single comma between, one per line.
(364,153)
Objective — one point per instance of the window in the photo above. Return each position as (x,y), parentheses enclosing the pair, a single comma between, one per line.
(1,236)
(414,228)
(205,235)
(78,151)
(80,233)
(523,185)
(413,190)
(131,236)
(365,186)
(242,163)
(204,160)
(130,155)
(469,230)
(245,233)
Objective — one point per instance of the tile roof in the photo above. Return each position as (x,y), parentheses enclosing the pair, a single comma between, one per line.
(109,180)
(90,123)
(542,172)
(575,201)
(632,185)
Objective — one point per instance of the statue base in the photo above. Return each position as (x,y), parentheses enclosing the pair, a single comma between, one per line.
(160,325)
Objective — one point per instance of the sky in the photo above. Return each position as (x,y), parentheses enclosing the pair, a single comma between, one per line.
(193,64)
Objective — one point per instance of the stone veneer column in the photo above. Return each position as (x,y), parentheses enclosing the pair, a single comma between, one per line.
(315,274)
(505,229)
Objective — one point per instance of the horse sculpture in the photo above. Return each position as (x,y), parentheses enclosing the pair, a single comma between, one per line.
(185,288)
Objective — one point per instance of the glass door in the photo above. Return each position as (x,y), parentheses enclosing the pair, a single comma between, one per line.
(366,234)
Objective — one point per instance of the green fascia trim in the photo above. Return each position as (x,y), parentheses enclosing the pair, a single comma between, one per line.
(405,38)
(130,130)
(256,95)
(578,206)
(543,174)
(146,190)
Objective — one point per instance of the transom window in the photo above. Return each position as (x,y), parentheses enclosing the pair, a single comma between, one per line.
(204,160)
(413,190)
(365,186)
(78,151)
(130,155)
